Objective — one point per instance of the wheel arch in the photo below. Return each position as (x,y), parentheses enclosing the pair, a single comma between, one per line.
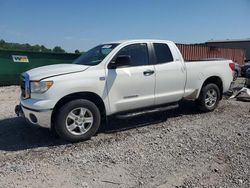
(214,80)
(93,97)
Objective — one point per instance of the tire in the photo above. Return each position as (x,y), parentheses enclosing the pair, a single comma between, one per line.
(77,120)
(235,76)
(209,98)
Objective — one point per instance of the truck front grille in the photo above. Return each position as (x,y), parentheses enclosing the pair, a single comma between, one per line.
(25,86)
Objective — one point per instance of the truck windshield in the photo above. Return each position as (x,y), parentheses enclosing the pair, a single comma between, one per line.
(95,55)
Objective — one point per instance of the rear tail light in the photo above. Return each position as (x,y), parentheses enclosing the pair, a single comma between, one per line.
(232,66)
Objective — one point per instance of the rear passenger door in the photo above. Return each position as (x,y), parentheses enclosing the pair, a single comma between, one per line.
(170,77)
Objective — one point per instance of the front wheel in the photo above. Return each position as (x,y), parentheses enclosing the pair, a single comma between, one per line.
(77,120)
(209,98)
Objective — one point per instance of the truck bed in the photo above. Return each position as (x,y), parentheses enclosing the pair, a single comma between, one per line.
(197,71)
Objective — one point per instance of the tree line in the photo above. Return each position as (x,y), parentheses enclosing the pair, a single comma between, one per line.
(31,48)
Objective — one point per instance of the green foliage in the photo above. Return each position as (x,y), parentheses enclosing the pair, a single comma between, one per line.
(58,49)
(77,51)
(27,47)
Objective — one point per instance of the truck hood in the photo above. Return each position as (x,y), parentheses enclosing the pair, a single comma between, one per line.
(54,70)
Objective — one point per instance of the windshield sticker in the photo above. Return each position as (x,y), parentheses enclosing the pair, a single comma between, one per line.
(20,58)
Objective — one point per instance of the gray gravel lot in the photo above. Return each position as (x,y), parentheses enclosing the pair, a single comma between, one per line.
(177,148)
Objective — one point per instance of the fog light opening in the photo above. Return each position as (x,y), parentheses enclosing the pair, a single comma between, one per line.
(33,118)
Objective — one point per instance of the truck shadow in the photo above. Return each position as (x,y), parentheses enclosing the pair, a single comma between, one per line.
(118,125)
(16,134)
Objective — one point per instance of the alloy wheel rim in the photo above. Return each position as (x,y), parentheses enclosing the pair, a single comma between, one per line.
(211,97)
(79,121)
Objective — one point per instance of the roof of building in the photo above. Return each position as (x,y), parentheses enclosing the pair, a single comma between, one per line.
(229,40)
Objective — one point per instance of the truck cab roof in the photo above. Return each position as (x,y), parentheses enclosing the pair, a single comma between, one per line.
(139,41)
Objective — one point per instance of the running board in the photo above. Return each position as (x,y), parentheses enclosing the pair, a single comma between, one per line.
(158,109)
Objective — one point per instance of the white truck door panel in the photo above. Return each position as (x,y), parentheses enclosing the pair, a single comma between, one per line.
(129,88)
(170,81)
(170,75)
(132,86)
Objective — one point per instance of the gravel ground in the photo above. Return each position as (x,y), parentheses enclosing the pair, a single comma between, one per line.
(177,148)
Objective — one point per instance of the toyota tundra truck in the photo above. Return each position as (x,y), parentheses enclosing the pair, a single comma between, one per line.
(123,78)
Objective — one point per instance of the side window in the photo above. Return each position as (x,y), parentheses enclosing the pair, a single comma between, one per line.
(162,53)
(137,52)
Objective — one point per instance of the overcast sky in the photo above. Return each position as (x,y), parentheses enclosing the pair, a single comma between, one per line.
(81,24)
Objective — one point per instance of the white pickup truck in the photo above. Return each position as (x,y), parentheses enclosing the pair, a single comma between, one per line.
(119,78)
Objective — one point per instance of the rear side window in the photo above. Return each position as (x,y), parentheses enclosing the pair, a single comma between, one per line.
(162,53)
(137,52)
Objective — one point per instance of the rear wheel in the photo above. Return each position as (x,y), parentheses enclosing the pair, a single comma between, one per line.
(209,97)
(77,120)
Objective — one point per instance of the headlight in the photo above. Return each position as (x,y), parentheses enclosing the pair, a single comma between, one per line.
(40,87)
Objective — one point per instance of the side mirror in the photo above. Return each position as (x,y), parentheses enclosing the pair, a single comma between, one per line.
(120,61)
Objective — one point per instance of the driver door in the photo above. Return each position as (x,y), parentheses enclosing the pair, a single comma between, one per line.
(132,86)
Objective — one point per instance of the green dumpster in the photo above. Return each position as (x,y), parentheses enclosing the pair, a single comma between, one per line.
(13,63)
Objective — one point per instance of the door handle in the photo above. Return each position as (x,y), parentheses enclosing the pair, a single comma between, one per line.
(148,72)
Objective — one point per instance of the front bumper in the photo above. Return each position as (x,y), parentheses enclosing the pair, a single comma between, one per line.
(40,118)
